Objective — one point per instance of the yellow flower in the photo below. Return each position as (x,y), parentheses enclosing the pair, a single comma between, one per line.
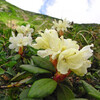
(52,44)
(49,41)
(56,46)
(43,41)
(75,60)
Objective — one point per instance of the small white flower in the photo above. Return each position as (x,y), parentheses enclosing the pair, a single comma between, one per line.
(26,30)
(75,60)
(19,41)
(61,25)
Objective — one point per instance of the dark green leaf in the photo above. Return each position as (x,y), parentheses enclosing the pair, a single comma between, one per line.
(79,99)
(91,90)
(33,69)
(2,41)
(64,93)
(20,76)
(97,86)
(31,80)
(1,71)
(43,63)
(10,71)
(24,95)
(16,57)
(32,50)
(42,88)
(24,81)
(11,63)
(5,97)
(31,99)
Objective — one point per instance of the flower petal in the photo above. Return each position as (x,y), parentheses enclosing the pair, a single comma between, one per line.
(83,69)
(62,67)
(69,59)
(44,53)
(71,44)
(88,52)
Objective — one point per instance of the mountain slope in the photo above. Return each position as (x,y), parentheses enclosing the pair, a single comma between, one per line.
(13,16)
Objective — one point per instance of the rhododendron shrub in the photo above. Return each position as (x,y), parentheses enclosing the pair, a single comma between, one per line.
(49,64)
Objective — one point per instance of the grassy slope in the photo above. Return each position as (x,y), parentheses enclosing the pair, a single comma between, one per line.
(11,16)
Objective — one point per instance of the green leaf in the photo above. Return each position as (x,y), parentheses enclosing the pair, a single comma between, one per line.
(33,69)
(32,50)
(91,90)
(6,98)
(24,80)
(31,99)
(24,95)
(20,76)
(42,88)
(10,71)
(1,71)
(43,63)
(16,57)
(97,86)
(2,41)
(33,79)
(79,99)
(11,63)
(64,93)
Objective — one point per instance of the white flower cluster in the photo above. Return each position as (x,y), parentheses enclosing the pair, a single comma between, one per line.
(66,51)
(23,38)
(61,25)
(25,30)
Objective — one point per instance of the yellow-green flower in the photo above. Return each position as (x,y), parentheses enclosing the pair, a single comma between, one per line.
(56,46)
(43,41)
(75,60)
(52,44)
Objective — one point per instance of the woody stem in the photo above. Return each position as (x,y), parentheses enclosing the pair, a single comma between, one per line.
(58,77)
(61,33)
(20,50)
